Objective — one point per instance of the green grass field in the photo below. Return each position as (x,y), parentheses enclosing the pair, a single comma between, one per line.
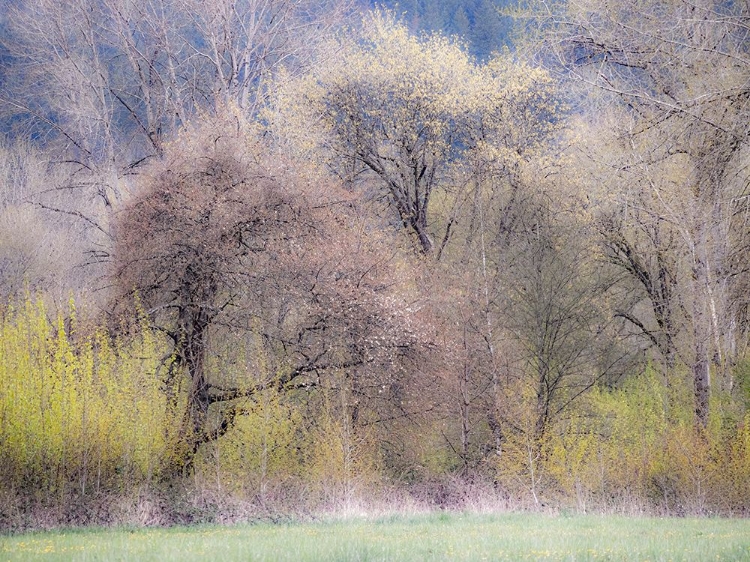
(433,537)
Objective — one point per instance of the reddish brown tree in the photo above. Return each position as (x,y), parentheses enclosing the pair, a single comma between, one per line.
(223,240)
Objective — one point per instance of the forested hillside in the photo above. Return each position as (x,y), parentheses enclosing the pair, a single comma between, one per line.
(483,24)
(263,258)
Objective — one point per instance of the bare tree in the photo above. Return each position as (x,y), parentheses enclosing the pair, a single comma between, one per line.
(224,241)
(680,71)
(102,85)
(112,79)
(407,113)
(37,254)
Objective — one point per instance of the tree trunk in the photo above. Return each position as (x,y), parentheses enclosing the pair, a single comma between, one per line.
(425,242)
(701,340)
(195,318)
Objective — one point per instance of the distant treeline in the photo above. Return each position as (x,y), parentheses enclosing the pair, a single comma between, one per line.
(481,23)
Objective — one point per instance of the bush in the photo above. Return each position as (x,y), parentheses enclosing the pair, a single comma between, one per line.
(79,414)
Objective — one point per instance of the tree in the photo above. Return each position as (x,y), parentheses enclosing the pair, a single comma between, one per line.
(115,79)
(552,295)
(679,71)
(103,84)
(36,254)
(225,243)
(414,123)
(411,111)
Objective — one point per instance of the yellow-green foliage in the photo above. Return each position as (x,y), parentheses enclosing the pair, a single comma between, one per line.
(519,467)
(343,459)
(262,448)
(388,90)
(639,443)
(77,411)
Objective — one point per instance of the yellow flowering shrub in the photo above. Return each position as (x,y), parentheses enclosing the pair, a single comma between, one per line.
(78,412)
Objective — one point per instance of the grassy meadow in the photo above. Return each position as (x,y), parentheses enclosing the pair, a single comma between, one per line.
(430,537)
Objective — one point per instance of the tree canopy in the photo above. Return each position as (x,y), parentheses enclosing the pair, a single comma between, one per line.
(269,258)
(415,112)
